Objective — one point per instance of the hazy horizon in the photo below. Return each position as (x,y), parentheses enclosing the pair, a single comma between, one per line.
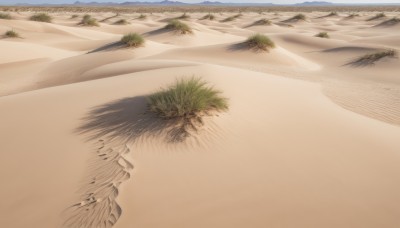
(197,1)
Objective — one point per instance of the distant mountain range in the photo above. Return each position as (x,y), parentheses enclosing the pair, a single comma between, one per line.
(167,2)
(215,3)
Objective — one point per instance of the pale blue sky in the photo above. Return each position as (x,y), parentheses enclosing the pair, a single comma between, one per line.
(196,1)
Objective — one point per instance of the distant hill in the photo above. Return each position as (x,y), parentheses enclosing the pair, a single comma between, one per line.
(315,3)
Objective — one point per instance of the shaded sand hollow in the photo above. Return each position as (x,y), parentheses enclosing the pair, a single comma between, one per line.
(311,138)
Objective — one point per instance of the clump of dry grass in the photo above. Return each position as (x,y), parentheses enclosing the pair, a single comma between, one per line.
(142,17)
(41,17)
(353,15)
(121,22)
(5,16)
(133,40)
(377,16)
(184,16)
(178,26)
(390,22)
(298,17)
(87,20)
(208,17)
(259,42)
(370,59)
(322,35)
(11,34)
(263,22)
(232,18)
(74,16)
(332,14)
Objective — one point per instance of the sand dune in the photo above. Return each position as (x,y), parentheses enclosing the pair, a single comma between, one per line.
(311,138)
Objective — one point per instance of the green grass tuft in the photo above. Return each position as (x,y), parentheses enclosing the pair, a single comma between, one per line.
(5,16)
(87,20)
(259,42)
(186,99)
(11,34)
(41,17)
(322,35)
(178,26)
(133,40)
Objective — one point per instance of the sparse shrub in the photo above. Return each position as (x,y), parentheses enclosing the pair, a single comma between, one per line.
(142,17)
(378,16)
(369,59)
(322,35)
(390,22)
(11,34)
(87,20)
(298,17)
(232,18)
(41,17)
(121,22)
(187,99)
(332,14)
(208,17)
(5,16)
(178,26)
(74,16)
(183,17)
(353,15)
(132,40)
(259,42)
(263,22)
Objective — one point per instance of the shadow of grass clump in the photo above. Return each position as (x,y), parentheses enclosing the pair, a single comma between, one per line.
(352,15)
(131,40)
(390,22)
(171,113)
(261,22)
(377,16)
(208,17)
(371,59)
(121,22)
(128,121)
(41,17)
(331,14)
(184,16)
(232,18)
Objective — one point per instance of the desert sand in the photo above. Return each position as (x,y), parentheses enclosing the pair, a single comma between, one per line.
(311,138)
